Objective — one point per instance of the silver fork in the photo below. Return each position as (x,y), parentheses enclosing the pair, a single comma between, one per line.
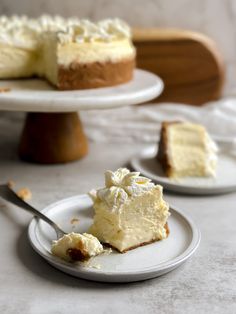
(9,195)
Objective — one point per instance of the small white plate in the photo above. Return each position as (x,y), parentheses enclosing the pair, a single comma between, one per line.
(142,263)
(224,182)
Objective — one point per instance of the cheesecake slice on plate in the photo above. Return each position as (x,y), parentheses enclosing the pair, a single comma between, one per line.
(186,150)
(129,211)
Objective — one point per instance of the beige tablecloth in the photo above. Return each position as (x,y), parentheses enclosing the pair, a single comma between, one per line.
(142,123)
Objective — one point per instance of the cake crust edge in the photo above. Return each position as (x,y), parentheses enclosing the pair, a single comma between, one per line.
(95,74)
(162,156)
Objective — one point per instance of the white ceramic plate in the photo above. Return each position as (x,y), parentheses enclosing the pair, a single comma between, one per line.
(224,182)
(142,263)
(37,95)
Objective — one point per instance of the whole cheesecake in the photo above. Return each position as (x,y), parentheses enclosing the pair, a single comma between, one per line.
(69,53)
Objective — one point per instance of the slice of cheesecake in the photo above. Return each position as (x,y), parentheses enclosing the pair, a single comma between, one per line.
(71,60)
(186,149)
(129,211)
(76,247)
(93,55)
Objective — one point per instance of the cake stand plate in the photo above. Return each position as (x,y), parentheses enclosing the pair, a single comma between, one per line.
(36,95)
(142,263)
(53,132)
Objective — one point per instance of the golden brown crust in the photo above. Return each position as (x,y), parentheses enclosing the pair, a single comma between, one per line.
(78,253)
(167,229)
(96,74)
(162,155)
(142,244)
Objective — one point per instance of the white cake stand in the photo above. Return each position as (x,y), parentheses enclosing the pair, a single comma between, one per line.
(53,132)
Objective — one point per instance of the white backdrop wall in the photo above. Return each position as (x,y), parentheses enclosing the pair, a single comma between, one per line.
(215,18)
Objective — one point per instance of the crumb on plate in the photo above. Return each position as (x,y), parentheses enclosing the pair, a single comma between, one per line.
(96,266)
(25,194)
(107,251)
(74,220)
(4,89)
(89,264)
(11,184)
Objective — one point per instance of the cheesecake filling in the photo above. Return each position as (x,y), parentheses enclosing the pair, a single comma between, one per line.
(113,51)
(17,62)
(129,211)
(191,151)
(47,65)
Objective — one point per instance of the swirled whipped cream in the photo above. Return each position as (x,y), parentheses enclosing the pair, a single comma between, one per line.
(24,31)
(121,185)
(87,31)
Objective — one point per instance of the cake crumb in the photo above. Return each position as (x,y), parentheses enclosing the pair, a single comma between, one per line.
(107,251)
(89,264)
(4,89)
(74,221)
(96,266)
(25,194)
(11,184)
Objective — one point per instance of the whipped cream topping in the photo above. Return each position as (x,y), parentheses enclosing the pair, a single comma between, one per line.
(21,30)
(87,31)
(119,186)
(17,31)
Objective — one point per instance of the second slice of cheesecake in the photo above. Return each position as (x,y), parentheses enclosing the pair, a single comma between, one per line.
(186,150)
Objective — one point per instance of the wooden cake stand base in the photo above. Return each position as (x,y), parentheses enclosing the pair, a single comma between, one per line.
(53,132)
(50,138)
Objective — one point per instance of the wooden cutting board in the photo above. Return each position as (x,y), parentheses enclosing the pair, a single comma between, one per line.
(188,62)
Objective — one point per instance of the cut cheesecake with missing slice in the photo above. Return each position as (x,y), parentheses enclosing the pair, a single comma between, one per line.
(129,211)
(186,150)
(70,53)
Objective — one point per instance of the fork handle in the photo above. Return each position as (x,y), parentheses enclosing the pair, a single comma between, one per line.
(10,196)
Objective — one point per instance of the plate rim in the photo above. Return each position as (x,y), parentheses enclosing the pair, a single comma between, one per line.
(192,247)
(175,187)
